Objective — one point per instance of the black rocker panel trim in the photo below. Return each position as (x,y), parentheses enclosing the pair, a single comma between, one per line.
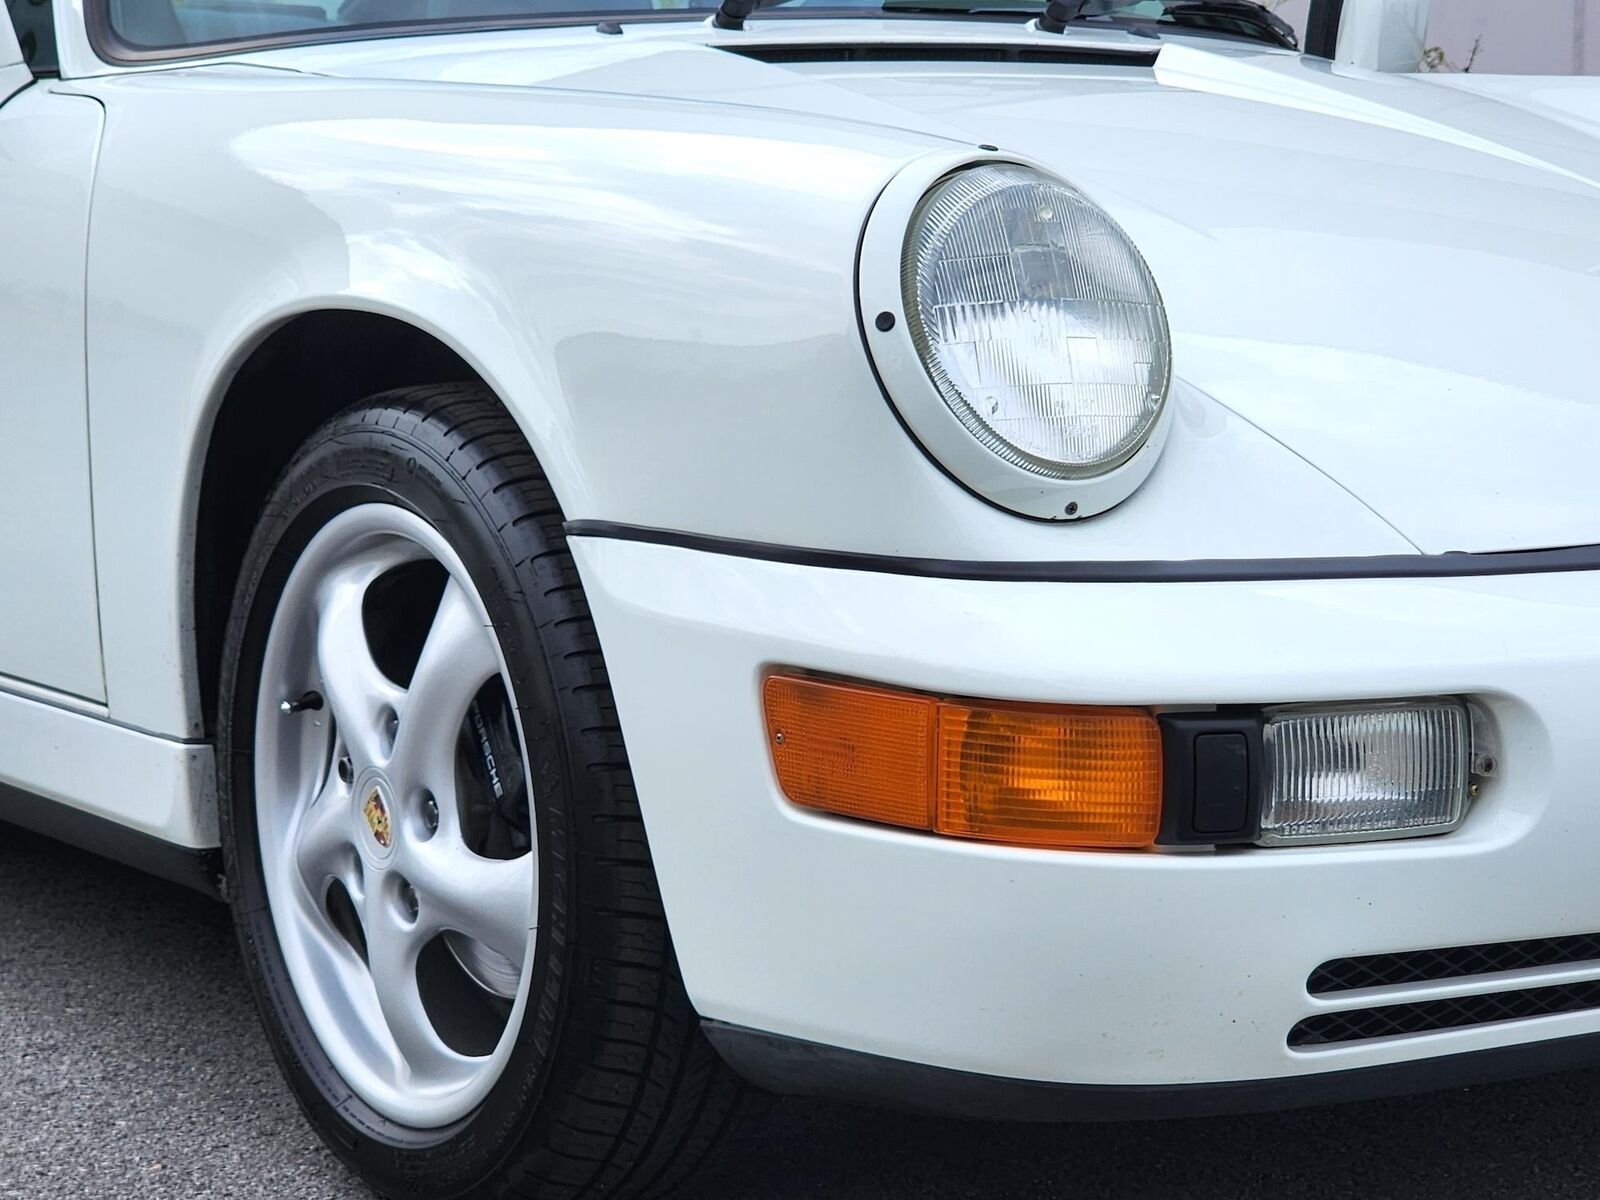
(1217,570)
(791,1067)
(197,869)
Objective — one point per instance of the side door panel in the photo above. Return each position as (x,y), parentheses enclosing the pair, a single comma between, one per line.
(49,621)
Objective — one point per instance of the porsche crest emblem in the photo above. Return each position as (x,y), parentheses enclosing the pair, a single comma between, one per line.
(377,815)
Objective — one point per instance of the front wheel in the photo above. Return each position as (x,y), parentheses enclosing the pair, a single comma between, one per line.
(435,855)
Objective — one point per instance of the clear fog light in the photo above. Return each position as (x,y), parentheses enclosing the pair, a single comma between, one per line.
(1368,771)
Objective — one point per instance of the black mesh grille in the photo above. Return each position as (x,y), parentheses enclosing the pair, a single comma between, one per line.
(1423,966)
(1431,1015)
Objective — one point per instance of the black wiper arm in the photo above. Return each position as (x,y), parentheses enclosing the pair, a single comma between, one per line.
(1058,14)
(731,14)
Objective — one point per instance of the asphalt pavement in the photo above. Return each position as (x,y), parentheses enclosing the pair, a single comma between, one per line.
(131,1066)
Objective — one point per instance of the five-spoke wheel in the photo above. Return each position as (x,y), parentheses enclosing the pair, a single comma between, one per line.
(391,841)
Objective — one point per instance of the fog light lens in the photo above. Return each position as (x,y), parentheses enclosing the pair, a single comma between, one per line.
(1364,772)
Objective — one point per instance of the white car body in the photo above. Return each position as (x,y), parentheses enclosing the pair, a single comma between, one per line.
(1382,291)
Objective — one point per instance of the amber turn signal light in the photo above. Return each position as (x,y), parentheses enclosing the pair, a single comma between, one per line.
(1031,775)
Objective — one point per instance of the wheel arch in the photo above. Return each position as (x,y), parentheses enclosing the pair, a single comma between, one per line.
(286,379)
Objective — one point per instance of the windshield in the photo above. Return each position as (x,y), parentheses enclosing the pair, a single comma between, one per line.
(191,25)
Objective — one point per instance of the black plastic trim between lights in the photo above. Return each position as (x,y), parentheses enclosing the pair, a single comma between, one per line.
(1211,778)
(1217,570)
(792,1067)
(198,869)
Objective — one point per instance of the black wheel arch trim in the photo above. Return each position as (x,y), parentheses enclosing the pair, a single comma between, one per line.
(1458,565)
(791,1067)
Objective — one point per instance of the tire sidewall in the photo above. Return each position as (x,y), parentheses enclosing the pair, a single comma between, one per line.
(346,464)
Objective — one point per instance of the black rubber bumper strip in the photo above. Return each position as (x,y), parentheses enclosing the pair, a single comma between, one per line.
(796,1068)
(1210,570)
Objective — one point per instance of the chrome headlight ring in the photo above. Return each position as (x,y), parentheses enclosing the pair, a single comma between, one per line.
(987,289)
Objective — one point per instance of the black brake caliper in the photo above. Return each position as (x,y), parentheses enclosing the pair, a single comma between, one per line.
(494,787)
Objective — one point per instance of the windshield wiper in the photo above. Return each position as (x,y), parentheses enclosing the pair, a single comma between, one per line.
(1242,18)
(1246,18)
(964,8)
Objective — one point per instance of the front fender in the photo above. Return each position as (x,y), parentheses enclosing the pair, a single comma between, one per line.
(662,292)
(595,259)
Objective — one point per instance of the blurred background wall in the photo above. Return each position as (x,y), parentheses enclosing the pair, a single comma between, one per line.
(1518,37)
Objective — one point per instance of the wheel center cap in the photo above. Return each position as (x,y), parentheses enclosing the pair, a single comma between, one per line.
(376,811)
(375,817)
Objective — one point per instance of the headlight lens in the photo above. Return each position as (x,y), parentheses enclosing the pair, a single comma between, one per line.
(1038,320)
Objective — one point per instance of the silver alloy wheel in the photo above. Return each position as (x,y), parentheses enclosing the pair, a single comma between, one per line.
(367,855)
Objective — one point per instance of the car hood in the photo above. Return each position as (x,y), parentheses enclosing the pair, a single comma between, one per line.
(1397,280)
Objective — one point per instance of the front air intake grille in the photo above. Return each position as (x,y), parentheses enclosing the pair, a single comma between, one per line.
(1430,1016)
(1455,962)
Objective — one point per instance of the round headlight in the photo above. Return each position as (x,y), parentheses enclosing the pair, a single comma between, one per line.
(1037,320)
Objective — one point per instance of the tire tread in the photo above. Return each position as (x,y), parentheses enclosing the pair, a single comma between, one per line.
(680,1097)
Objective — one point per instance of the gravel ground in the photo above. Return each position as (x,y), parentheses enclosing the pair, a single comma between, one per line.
(131,1066)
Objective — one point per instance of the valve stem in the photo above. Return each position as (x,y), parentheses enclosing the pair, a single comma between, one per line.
(310,702)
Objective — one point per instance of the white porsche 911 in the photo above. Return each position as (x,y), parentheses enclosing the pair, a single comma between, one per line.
(1015,559)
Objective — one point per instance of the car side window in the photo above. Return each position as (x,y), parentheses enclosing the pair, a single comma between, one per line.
(36,32)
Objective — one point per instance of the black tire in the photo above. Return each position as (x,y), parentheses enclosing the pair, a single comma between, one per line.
(612,1089)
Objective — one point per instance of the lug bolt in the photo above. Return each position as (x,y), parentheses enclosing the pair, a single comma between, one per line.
(408,900)
(430,813)
(347,770)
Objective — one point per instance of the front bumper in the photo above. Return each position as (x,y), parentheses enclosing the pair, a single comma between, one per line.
(1148,970)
